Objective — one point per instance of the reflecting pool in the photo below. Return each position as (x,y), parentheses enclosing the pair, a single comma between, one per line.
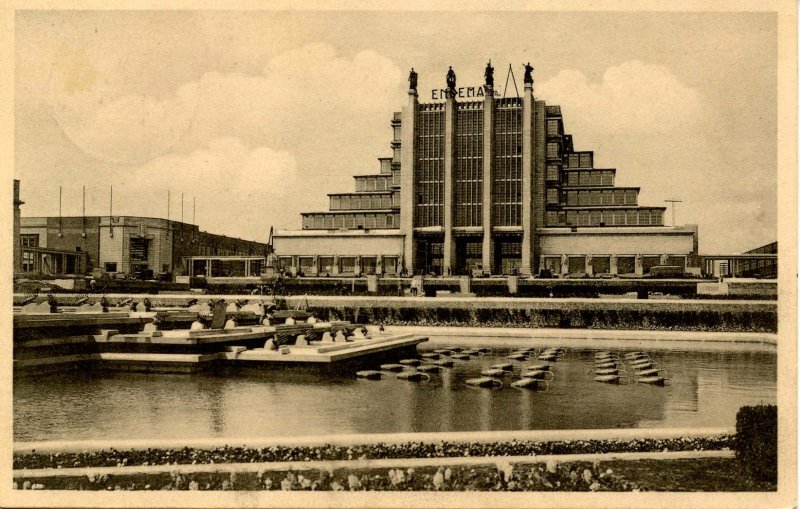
(708,387)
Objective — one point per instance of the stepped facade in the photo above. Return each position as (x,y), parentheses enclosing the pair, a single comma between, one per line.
(485,185)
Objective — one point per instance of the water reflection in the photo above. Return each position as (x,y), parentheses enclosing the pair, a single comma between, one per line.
(708,388)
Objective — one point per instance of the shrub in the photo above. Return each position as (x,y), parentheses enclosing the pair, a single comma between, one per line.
(756,441)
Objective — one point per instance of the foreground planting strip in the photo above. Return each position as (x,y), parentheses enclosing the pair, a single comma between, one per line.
(629,434)
(365,464)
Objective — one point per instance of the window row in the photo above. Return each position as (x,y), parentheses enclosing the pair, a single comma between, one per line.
(373,183)
(226,268)
(204,250)
(630,217)
(351,221)
(600,197)
(590,178)
(364,202)
(580,160)
(344,265)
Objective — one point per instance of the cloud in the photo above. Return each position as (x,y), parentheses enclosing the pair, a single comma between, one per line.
(642,120)
(299,98)
(118,128)
(232,135)
(630,97)
(238,187)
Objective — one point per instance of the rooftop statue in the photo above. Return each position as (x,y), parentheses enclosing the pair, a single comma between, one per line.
(451,79)
(489,74)
(412,79)
(528,73)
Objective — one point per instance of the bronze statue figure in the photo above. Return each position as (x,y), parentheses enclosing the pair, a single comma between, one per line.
(412,79)
(489,74)
(528,73)
(451,79)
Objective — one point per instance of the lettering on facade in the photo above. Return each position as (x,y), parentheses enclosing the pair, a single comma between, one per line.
(461,93)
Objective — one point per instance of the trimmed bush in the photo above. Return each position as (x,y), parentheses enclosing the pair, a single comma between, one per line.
(756,441)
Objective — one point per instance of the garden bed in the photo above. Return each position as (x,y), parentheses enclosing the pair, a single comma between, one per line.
(700,474)
(190,455)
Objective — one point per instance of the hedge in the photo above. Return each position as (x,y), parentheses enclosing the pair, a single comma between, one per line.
(756,441)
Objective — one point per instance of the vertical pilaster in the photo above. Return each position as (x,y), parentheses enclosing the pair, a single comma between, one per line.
(449,255)
(407,184)
(539,173)
(527,179)
(488,161)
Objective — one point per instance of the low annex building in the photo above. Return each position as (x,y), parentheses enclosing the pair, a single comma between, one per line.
(130,245)
(485,184)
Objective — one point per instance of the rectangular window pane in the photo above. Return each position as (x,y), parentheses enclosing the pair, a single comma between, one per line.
(583,218)
(572,218)
(552,172)
(619,218)
(595,178)
(619,197)
(630,197)
(585,179)
(607,179)
(631,218)
(326,265)
(347,264)
(572,178)
(657,218)
(574,160)
(572,198)
(586,160)
(595,218)
(328,221)
(29,239)
(644,218)
(552,218)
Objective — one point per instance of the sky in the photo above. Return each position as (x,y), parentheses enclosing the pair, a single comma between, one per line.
(256,116)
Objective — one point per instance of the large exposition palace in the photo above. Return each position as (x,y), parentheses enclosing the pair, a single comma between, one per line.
(489,184)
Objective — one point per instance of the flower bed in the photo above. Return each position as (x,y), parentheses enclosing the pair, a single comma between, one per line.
(188,455)
(495,477)
(704,474)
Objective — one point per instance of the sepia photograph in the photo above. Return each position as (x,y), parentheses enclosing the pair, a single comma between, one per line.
(362,255)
